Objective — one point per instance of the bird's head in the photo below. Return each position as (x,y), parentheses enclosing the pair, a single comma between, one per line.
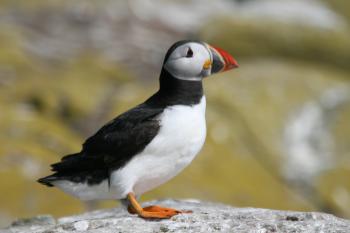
(195,60)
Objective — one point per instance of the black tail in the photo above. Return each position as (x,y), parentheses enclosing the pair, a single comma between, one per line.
(67,163)
(47,180)
(78,168)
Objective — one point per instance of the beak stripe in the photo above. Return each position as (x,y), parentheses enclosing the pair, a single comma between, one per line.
(220,57)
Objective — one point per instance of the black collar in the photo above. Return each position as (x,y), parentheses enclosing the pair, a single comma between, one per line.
(173,91)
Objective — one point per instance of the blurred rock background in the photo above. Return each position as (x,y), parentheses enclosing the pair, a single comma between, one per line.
(278,127)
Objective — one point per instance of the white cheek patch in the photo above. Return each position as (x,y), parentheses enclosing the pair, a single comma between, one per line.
(184,69)
(188,68)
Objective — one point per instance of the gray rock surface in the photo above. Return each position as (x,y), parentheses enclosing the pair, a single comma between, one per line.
(206,217)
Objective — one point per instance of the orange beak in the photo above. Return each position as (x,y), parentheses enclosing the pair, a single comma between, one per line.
(222,60)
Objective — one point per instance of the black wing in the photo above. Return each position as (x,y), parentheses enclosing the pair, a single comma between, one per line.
(125,136)
(110,147)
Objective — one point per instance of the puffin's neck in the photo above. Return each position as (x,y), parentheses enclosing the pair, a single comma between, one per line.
(173,91)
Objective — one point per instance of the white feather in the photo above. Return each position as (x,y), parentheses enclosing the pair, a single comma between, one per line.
(180,138)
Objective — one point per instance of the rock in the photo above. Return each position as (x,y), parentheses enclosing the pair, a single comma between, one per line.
(206,217)
(35,221)
(81,225)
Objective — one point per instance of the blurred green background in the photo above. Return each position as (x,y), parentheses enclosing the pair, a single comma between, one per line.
(278,127)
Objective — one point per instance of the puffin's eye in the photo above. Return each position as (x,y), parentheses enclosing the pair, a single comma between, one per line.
(189,53)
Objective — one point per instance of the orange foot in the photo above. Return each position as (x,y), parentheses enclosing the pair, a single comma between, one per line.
(156,208)
(153,212)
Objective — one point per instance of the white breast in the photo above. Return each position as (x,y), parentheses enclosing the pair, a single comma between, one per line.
(180,138)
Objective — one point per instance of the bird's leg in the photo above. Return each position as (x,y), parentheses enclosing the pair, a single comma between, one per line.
(155,212)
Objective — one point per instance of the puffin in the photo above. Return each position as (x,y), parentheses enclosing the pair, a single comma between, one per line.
(151,143)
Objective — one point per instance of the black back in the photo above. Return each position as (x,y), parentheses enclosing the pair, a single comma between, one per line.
(111,147)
